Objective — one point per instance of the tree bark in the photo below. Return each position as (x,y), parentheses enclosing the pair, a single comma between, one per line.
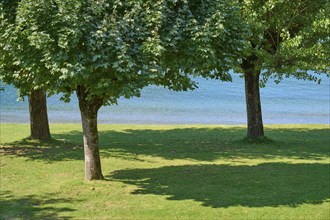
(39,125)
(252,96)
(89,110)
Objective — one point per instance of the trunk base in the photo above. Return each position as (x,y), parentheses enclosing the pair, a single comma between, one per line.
(89,110)
(39,125)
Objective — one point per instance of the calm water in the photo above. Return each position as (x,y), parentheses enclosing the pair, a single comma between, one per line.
(214,102)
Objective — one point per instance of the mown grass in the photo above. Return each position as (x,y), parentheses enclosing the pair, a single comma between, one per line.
(168,172)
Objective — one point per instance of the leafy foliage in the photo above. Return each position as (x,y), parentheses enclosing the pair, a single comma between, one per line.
(115,48)
(21,63)
(288,38)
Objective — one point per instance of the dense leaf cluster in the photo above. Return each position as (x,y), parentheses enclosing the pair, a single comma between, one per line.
(115,48)
(288,38)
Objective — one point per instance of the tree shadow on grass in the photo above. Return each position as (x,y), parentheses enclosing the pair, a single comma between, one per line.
(32,207)
(55,150)
(209,144)
(200,144)
(268,184)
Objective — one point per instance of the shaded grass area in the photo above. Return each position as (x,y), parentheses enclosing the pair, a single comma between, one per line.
(195,143)
(55,150)
(267,184)
(168,172)
(32,207)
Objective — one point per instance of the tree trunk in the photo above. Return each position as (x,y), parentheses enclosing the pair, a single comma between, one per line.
(252,96)
(89,110)
(39,125)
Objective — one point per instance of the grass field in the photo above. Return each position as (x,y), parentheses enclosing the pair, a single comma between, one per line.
(168,172)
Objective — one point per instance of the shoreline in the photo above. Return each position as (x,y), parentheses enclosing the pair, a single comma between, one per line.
(178,125)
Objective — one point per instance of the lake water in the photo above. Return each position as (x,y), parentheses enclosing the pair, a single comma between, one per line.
(214,102)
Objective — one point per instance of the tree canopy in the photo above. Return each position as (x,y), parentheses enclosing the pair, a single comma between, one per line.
(289,38)
(21,64)
(121,45)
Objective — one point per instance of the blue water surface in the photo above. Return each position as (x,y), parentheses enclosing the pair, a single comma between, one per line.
(214,102)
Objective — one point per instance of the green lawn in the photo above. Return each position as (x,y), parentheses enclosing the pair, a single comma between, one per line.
(168,172)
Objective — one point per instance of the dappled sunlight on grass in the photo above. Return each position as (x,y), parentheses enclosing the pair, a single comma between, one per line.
(193,144)
(55,150)
(190,143)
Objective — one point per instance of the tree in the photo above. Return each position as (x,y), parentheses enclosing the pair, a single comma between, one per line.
(284,38)
(18,63)
(279,39)
(103,50)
